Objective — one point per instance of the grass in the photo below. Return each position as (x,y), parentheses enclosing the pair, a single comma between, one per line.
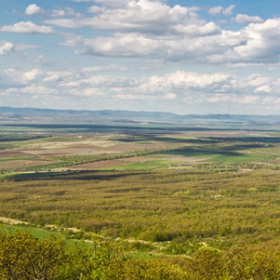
(6,175)
(20,158)
(155,164)
(37,232)
(46,166)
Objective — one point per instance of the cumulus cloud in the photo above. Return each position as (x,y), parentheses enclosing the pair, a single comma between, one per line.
(228,11)
(23,47)
(112,67)
(217,10)
(38,89)
(71,40)
(32,89)
(112,3)
(188,81)
(27,27)
(262,44)
(55,76)
(170,96)
(80,1)
(142,16)
(131,96)
(192,47)
(40,60)
(264,89)
(58,13)
(33,9)
(245,19)
(6,47)
(21,77)
(96,9)
(214,11)
(256,43)
(178,86)
(153,30)
(248,99)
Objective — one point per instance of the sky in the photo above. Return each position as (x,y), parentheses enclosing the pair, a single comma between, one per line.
(184,57)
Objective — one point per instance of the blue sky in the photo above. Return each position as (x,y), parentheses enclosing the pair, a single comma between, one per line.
(185,57)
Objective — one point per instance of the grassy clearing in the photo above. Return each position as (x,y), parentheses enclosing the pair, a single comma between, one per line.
(37,232)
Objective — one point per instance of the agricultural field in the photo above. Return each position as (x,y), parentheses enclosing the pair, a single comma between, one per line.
(162,194)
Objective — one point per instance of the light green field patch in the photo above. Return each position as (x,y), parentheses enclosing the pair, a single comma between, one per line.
(47,166)
(37,232)
(141,165)
(6,174)
(143,142)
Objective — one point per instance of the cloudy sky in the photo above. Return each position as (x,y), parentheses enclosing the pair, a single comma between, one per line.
(185,57)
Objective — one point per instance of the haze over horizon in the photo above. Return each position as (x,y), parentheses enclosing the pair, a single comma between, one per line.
(183,57)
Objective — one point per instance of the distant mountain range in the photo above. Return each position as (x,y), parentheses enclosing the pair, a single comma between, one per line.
(8,113)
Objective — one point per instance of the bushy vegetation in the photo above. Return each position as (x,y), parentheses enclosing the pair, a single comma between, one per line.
(22,257)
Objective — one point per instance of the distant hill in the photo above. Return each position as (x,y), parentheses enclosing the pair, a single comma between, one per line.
(24,114)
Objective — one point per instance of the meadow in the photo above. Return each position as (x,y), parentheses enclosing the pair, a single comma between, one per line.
(183,196)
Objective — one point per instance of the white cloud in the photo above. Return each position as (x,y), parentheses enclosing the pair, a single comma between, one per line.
(245,19)
(249,99)
(257,80)
(112,3)
(142,16)
(217,10)
(23,47)
(27,27)
(188,81)
(217,98)
(256,43)
(33,9)
(228,11)
(38,89)
(170,96)
(58,13)
(264,89)
(131,96)
(41,60)
(6,47)
(21,77)
(32,89)
(112,67)
(192,47)
(154,35)
(67,23)
(81,1)
(96,9)
(55,76)
(179,86)
(71,40)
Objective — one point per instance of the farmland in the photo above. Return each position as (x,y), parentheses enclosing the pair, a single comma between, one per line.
(164,193)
